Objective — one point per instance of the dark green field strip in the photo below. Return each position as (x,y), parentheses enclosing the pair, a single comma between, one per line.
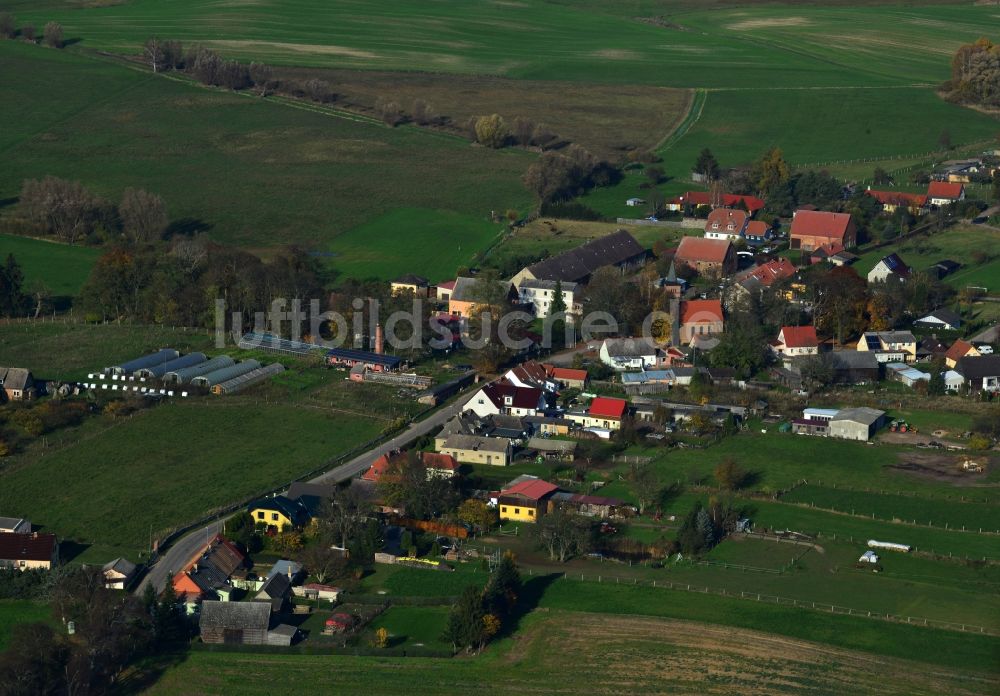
(60,267)
(13,612)
(924,511)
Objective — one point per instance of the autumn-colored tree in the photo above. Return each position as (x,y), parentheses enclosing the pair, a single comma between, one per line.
(492,131)
(840,299)
(491,626)
(381,639)
(477,513)
(770,171)
(143,214)
(879,312)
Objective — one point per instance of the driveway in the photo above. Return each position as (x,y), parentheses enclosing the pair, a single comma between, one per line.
(185,548)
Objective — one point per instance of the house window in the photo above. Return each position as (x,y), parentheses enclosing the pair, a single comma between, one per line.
(274,516)
(260,514)
(503,509)
(531,513)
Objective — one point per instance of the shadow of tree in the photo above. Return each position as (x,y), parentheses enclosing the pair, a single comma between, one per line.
(145,673)
(532,591)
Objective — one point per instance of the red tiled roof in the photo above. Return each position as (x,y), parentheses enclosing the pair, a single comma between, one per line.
(37,546)
(701,249)
(898,198)
(799,336)
(447,285)
(827,250)
(943,189)
(721,218)
(959,349)
(757,228)
(773,271)
(566,373)
(534,489)
(817,223)
(607,407)
(695,311)
(378,467)
(730,200)
(442,462)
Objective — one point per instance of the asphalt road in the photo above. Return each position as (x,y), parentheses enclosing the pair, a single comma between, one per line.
(184,549)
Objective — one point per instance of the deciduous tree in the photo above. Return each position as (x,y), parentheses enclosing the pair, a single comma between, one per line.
(492,131)
(143,216)
(52,34)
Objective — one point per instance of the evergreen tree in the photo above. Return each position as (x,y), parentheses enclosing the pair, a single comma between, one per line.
(465,622)
(707,165)
(503,587)
(705,528)
(12,297)
(168,623)
(558,303)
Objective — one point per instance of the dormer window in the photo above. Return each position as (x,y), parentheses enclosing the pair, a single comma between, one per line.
(508,400)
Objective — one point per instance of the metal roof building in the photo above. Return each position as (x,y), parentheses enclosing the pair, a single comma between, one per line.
(163,355)
(256,340)
(225,374)
(248,379)
(350,356)
(185,375)
(156,371)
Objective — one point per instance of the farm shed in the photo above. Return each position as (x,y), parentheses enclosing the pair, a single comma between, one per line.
(186,374)
(556,449)
(275,592)
(248,379)
(441,392)
(856,423)
(161,356)
(350,357)
(235,623)
(282,635)
(225,374)
(274,344)
(901,372)
(156,371)
(17,384)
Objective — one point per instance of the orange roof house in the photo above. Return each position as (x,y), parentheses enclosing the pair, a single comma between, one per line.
(891,200)
(700,318)
(812,229)
(945,193)
(706,256)
(796,340)
(960,349)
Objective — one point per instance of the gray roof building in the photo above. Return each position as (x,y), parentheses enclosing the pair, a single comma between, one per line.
(576,265)
(235,623)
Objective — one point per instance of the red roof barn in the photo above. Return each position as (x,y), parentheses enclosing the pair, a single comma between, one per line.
(812,229)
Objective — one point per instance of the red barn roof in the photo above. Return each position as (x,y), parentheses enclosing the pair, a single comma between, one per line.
(959,349)
(729,200)
(694,311)
(442,462)
(533,489)
(943,189)
(37,546)
(702,249)
(898,198)
(607,407)
(818,223)
(569,374)
(799,336)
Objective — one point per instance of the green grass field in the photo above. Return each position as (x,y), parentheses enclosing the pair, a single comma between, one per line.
(887,506)
(66,351)
(60,267)
(13,612)
(171,465)
(958,243)
(292,173)
(599,639)
(414,626)
(432,243)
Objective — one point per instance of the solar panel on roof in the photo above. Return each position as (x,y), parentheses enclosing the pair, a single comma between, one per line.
(872,342)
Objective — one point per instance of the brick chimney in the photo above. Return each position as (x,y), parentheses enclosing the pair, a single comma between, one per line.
(379,347)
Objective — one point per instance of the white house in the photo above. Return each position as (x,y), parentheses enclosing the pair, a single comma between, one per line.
(889,267)
(635,202)
(726,223)
(941,319)
(506,399)
(629,353)
(953,381)
(796,340)
(540,294)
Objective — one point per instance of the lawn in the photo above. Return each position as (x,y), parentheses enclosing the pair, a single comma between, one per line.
(13,612)
(414,626)
(400,581)
(61,268)
(960,243)
(291,175)
(171,465)
(431,243)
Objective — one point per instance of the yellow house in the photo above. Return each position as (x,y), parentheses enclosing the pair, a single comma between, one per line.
(410,284)
(278,512)
(474,449)
(525,501)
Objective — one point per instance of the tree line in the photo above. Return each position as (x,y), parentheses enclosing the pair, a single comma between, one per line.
(52,32)
(93,636)
(975,74)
